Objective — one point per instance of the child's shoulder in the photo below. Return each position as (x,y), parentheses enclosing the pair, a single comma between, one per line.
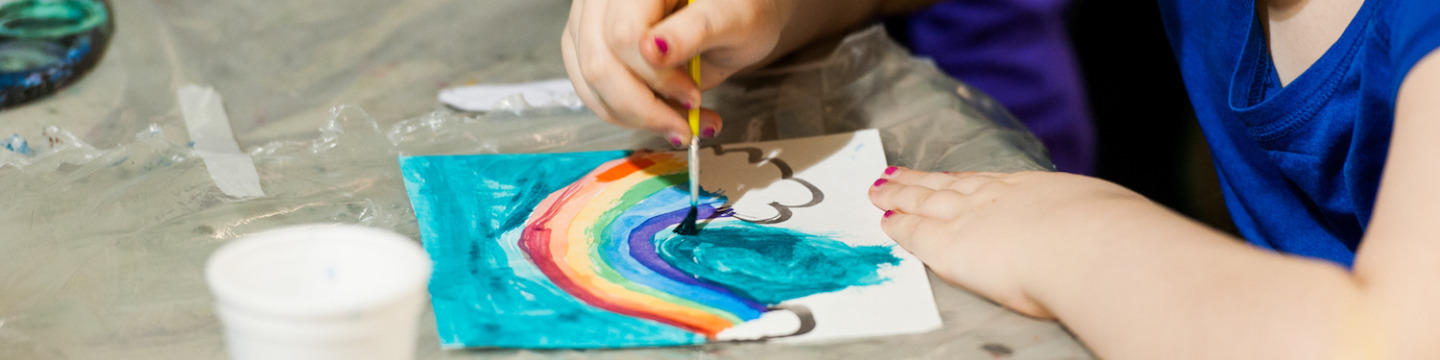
(1409,29)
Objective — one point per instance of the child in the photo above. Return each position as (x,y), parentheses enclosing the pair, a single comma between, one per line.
(1321,117)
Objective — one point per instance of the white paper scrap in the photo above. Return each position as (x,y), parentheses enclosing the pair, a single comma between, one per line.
(502,96)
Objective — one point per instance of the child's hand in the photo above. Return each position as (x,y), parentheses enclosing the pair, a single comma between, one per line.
(627,58)
(988,231)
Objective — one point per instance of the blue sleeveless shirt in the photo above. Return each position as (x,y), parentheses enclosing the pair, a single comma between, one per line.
(1300,164)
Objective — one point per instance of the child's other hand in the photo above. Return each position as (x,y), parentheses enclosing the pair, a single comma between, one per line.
(988,232)
(627,59)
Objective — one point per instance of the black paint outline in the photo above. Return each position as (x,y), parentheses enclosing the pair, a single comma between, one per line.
(802,313)
(783,213)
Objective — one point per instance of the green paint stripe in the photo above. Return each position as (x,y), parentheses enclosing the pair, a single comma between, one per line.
(632,197)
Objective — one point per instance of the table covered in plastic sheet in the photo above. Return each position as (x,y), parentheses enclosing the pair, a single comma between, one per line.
(107,218)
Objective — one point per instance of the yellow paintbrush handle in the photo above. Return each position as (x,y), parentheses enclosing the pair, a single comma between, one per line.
(695,75)
(695,110)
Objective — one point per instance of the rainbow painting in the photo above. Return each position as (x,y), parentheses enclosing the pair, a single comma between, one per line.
(576,250)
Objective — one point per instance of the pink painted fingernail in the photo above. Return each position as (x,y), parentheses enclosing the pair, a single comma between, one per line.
(888,213)
(660,44)
(687,105)
(675,141)
(880,182)
(890,171)
(709,132)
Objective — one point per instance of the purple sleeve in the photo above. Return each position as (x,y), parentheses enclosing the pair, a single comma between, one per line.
(1018,52)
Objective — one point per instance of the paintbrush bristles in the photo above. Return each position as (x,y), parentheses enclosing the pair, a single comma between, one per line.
(688,226)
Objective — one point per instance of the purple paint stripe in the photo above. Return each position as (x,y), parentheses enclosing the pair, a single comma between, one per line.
(642,249)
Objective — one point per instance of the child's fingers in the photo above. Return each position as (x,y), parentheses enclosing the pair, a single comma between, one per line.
(627,21)
(703,25)
(901,227)
(676,85)
(625,26)
(570,54)
(964,182)
(582,88)
(915,199)
(907,176)
(630,103)
(710,124)
(917,234)
(572,23)
(970,182)
(709,120)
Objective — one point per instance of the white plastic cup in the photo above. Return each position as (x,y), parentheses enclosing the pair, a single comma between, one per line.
(319,292)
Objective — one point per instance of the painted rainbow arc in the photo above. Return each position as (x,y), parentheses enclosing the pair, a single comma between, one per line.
(574,234)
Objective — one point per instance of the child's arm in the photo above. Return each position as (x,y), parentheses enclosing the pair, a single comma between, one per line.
(626,58)
(1398,264)
(1134,280)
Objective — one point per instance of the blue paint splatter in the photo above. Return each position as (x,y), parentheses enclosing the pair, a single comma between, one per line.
(771,264)
(18,144)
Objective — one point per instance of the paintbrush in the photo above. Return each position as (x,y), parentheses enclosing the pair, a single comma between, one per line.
(688,226)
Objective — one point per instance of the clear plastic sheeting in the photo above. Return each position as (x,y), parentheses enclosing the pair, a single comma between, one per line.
(102,251)
(927,120)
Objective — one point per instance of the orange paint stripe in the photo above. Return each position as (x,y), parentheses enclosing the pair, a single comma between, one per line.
(630,166)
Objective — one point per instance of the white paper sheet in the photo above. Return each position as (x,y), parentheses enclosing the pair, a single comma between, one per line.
(488,97)
(577,250)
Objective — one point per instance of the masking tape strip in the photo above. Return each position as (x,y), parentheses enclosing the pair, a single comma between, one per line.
(233,171)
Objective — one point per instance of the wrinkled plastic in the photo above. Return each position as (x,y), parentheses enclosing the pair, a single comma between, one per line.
(927,120)
(102,251)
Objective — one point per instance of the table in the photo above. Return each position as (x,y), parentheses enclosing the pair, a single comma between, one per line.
(104,237)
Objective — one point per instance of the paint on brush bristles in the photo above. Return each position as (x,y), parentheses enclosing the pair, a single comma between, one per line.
(688,226)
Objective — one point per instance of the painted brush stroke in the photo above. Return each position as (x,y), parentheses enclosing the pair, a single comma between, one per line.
(576,251)
(771,265)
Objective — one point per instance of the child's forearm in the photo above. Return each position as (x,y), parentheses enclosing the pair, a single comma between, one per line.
(1133,279)
(1156,285)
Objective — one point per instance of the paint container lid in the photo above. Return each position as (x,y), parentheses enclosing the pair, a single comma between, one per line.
(317,271)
